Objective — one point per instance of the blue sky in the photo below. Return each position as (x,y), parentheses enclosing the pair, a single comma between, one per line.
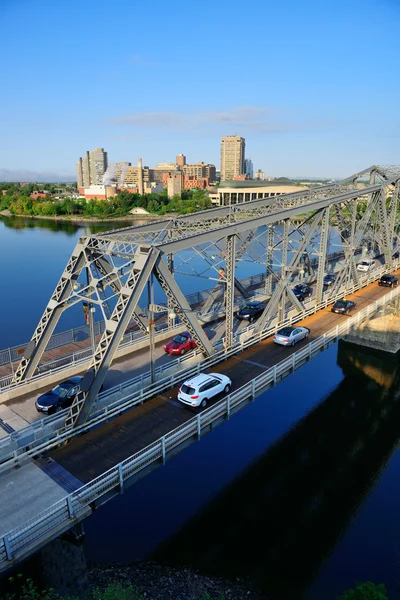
(313,86)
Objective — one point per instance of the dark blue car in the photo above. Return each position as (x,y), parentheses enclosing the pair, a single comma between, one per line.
(302,290)
(343,307)
(330,279)
(251,311)
(59,397)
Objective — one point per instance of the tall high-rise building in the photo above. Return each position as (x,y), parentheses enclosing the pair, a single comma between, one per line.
(232,156)
(180,161)
(90,170)
(248,168)
(98,165)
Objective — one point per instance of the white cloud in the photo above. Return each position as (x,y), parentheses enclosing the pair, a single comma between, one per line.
(244,118)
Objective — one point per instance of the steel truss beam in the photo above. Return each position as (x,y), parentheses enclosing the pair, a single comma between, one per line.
(282,292)
(145,250)
(252,223)
(171,320)
(182,307)
(323,243)
(111,279)
(269,266)
(114,329)
(218,292)
(55,307)
(230,289)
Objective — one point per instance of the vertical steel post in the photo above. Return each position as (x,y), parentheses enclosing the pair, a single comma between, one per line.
(11,362)
(270,247)
(91,317)
(372,177)
(121,479)
(323,241)
(384,225)
(284,271)
(230,288)
(7,547)
(150,292)
(70,508)
(171,321)
(392,213)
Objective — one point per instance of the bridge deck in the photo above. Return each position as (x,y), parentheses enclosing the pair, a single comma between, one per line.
(88,456)
(85,341)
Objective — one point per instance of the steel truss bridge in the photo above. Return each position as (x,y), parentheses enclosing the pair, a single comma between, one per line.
(117,270)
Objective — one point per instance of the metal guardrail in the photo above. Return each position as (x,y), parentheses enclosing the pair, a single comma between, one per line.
(13,354)
(80,357)
(32,441)
(62,515)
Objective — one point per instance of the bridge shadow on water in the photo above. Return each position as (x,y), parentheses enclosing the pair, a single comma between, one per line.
(279,522)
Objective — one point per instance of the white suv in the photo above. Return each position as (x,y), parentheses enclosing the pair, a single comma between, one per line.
(366,265)
(197,391)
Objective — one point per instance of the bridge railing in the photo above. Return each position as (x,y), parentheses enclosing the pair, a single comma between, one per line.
(129,339)
(33,440)
(15,353)
(82,356)
(50,523)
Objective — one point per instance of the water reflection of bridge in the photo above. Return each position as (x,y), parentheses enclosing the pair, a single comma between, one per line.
(282,518)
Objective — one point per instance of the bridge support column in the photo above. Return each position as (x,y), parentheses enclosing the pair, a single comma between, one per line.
(322,254)
(62,564)
(269,269)
(284,270)
(230,288)
(171,320)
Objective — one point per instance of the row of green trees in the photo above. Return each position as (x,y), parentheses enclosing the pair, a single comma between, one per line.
(120,205)
(16,189)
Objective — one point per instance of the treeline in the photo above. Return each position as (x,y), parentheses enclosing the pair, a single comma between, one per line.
(18,202)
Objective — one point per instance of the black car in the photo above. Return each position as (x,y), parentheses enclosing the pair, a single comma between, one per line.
(251,311)
(343,307)
(59,397)
(330,279)
(389,281)
(302,290)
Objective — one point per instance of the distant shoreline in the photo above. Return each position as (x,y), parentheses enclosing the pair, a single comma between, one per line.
(85,219)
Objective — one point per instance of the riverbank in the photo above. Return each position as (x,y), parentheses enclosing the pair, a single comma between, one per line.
(86,219)
(160,582)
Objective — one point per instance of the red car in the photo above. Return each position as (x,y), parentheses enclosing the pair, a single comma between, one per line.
(183,342)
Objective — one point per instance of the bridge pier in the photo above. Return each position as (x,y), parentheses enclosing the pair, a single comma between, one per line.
(62,564)
(381,332)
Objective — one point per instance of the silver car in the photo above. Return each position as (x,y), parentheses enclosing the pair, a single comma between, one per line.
(289,336)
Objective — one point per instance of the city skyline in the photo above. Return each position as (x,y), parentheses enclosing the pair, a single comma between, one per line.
(306,102)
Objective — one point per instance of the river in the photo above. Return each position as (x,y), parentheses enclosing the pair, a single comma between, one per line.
(299,491)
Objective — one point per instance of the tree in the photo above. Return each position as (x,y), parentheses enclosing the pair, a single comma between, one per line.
(365,591)
(153,205)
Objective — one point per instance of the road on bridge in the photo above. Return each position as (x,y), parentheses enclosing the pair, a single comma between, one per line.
(90,455)
(21,411)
